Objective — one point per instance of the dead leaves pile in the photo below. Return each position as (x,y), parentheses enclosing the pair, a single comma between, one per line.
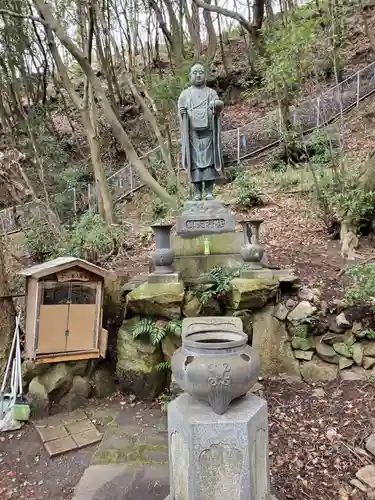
(316,438)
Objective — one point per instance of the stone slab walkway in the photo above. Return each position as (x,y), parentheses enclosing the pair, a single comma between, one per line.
(66,432)
(130,463)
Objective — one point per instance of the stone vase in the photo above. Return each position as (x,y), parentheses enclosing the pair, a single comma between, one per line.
(216,367)
(163,255)
(251,251)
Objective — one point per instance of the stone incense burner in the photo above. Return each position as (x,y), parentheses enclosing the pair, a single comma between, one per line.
(216,366)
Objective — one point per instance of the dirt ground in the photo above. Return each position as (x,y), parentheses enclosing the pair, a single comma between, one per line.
(316,444)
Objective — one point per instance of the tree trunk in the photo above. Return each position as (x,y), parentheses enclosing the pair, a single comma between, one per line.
(110,115)
(212,38)
(7,312)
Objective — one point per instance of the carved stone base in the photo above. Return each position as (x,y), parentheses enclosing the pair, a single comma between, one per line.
(163,278)
(218,456)
(253,273)
(204,217)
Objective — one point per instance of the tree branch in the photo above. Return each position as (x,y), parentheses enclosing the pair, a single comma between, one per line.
(11,13)
(229,13)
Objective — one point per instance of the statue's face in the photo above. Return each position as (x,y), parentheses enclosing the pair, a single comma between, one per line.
(197,75)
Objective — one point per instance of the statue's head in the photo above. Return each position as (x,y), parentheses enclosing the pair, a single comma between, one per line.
(197,75)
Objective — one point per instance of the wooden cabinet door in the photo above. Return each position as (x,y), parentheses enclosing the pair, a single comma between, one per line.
(81,327)
(82,317)
(53,321)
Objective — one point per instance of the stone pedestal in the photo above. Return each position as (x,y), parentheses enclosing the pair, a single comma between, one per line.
(214,456)
(190,260)
(204,217)
(249,272)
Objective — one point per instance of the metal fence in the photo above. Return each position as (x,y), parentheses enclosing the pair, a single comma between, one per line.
(243,142)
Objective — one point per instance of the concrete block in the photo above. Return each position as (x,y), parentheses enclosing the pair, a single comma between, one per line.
(214,456)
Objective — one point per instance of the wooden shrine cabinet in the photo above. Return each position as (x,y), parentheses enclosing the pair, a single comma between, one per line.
(64,299)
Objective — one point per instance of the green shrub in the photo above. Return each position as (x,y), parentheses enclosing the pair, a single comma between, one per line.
(90,237)
(275,162)
(40,241)
(247,191)
(362,284)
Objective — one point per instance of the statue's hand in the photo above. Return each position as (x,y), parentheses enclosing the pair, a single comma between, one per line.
(183,110)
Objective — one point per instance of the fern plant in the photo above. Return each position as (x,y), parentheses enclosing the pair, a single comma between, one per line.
(155,331)
(164,365)
(220,284)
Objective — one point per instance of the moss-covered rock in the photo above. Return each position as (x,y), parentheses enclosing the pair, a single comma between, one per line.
(303,311)
(317,370)
(304,344)
(342,349)
(136,361)
(301,331)
(270,339)
(169,346)
(251,293)
(191,306)
(103,382)
(56,380)
(326,352)
(157,299)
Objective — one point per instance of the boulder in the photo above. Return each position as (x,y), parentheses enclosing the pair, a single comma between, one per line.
(368,362)
(77,394)
(342,349)
(38,399)
(345,362)
(102,382)
(310,294)
(326,352)
(191,306)
(303,355)
(357,354)
(281,312)
(57,380)
(157,299)
(303,344)
(333,326)
(136,361)
(78,367)
(169,346)
(355,373)
(30,369)
(342,321)
(290,304)
(333,338)
(251,293)
(358,330)
(369,348)
(349,338)
(301,312)
(270,339)
(366,474)
(317,370)
(370,444)
(301,331)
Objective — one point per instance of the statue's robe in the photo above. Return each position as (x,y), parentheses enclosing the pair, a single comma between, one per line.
(201,149)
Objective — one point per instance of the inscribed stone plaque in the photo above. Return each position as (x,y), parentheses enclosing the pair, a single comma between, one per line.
(179,454)
(259,466)
(202,324)
(220,473)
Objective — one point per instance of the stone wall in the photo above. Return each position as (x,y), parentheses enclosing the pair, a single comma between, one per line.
(67,384)
(295,333)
